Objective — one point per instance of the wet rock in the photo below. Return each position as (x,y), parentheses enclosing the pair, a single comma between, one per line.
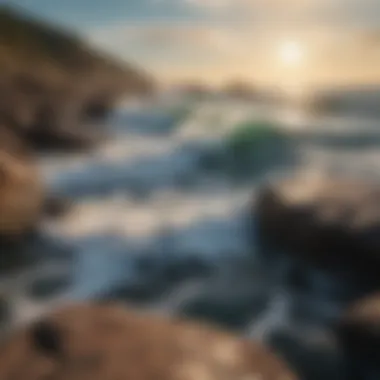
(10,142)
(97,108)
(14,256)
(138,292)
(331,223)
(44,120)
(48,286)
(310,308)
(32,250)
(146,285)
(311,361)
(156,277)
(358,331)
(60,140)
(5,313)
(188,267)
(56,206)
(47,132)
(21,195)
(232,306)
(232,312)
(107,342)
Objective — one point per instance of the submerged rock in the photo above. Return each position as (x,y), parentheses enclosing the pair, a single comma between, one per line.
(312,360)
(56,206)
(47,287)
(107,343)
(333,224)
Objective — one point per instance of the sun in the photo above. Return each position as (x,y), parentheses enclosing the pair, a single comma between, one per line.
(290,53)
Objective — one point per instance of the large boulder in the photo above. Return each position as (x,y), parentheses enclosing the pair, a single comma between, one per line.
(332,223)
(106,342)
(21,189)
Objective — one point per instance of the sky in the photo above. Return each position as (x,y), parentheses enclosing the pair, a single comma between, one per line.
(288,43)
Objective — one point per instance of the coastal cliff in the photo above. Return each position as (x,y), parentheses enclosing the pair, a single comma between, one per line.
(52,83)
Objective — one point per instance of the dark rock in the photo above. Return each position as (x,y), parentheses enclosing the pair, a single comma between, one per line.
(358,331)
(149,285)
(14,256)
(190,267)
(46,339)
(48,287)
(30,250)
(97,108)
(107,342)
(232,312)
(138,293)
(11,143)
(49,139)
(56,206)
(310,361)
(5,313)
(232,306)
(46,121)
(157,278)
(333,224)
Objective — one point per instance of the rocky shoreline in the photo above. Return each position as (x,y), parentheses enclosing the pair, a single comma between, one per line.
(317,264)
(53,85)
(54,91)
(329,225)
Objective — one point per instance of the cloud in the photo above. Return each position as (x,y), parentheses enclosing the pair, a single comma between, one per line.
(334,42)
(166,37)
(305,13)
(253,6)
(209,3)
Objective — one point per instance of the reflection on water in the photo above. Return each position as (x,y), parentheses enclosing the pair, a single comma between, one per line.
(151,225)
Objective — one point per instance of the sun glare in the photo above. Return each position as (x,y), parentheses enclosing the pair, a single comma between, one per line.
(290,53)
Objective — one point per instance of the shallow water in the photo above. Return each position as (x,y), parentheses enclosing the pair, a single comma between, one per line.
(152,227)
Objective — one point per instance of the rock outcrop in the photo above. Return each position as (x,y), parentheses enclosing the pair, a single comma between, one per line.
(21,190)
(52,84)
(106,342)
(53,87)
(333,223)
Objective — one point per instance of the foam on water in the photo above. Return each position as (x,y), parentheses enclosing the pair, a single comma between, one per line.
(205,217)
(141,198)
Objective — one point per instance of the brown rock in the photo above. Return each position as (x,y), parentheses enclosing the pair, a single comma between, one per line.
(332,223)
(11,143)
(21,189)
(109,343)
